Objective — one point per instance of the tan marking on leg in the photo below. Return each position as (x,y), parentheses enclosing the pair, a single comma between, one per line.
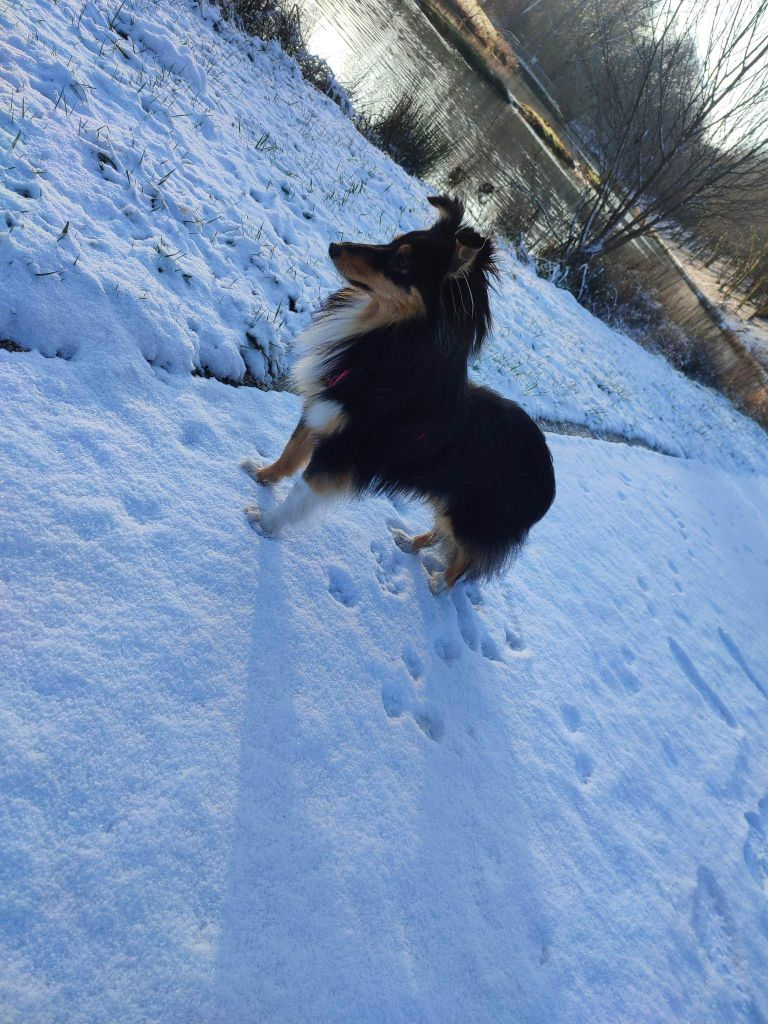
(425,540)
(295,454)
(410,545)
(459,565)
(443,525)
(439,582)
(440,531)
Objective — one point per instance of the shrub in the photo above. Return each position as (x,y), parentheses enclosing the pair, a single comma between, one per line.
(268,20)
(407,131)
(518,215)
(627,304)
(528,212)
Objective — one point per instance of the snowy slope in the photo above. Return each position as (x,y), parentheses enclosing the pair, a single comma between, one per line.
(245,780)
(200,180)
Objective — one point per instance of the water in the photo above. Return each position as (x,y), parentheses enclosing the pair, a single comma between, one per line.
(384,48)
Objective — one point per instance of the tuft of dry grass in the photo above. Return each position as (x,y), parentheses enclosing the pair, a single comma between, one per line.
(11,346)
(408,132)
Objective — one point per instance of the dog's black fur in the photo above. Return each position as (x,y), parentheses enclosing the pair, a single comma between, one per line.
(410,421)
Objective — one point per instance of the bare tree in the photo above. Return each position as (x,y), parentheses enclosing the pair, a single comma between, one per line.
(676,124)
(555,36)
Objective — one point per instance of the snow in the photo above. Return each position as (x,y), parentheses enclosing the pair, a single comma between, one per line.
(252,780)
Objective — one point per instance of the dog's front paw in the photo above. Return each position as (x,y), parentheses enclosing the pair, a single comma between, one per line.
(436,583)
(403,540)
(249,466)
(254,515)
(261,474)
(260,521)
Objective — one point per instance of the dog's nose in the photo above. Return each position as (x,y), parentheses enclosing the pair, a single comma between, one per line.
(334,250)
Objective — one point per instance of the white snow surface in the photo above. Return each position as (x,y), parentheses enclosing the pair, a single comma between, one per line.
(245,780)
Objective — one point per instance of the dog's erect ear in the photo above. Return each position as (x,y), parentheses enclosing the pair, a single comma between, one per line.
(469,244)
(451,212)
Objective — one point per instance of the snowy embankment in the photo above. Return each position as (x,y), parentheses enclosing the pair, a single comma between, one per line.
(169,191)
(246,780)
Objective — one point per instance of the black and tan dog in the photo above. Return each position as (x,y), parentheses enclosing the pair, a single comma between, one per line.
(388,406)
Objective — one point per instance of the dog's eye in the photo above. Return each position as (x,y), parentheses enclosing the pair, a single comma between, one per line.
(400,263)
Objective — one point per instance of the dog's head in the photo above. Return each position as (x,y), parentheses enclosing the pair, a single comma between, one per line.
(414,274)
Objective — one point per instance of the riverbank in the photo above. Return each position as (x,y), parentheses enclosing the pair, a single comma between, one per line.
(474,36)
(466,26)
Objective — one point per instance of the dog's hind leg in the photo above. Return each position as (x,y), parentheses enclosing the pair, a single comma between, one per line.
(413,544)
(440,530)
(441,581)
(296,453)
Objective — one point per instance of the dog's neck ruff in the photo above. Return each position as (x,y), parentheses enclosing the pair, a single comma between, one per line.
(322,342)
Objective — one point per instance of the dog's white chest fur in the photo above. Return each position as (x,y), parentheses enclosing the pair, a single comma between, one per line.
(319,347)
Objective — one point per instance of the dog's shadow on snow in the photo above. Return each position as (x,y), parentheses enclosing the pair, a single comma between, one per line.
(443,913)
(276,878)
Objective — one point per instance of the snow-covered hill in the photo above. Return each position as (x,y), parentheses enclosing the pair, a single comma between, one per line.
(169,189)
(246,780)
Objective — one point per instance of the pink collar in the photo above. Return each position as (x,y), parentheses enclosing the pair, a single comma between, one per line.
(332,381)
